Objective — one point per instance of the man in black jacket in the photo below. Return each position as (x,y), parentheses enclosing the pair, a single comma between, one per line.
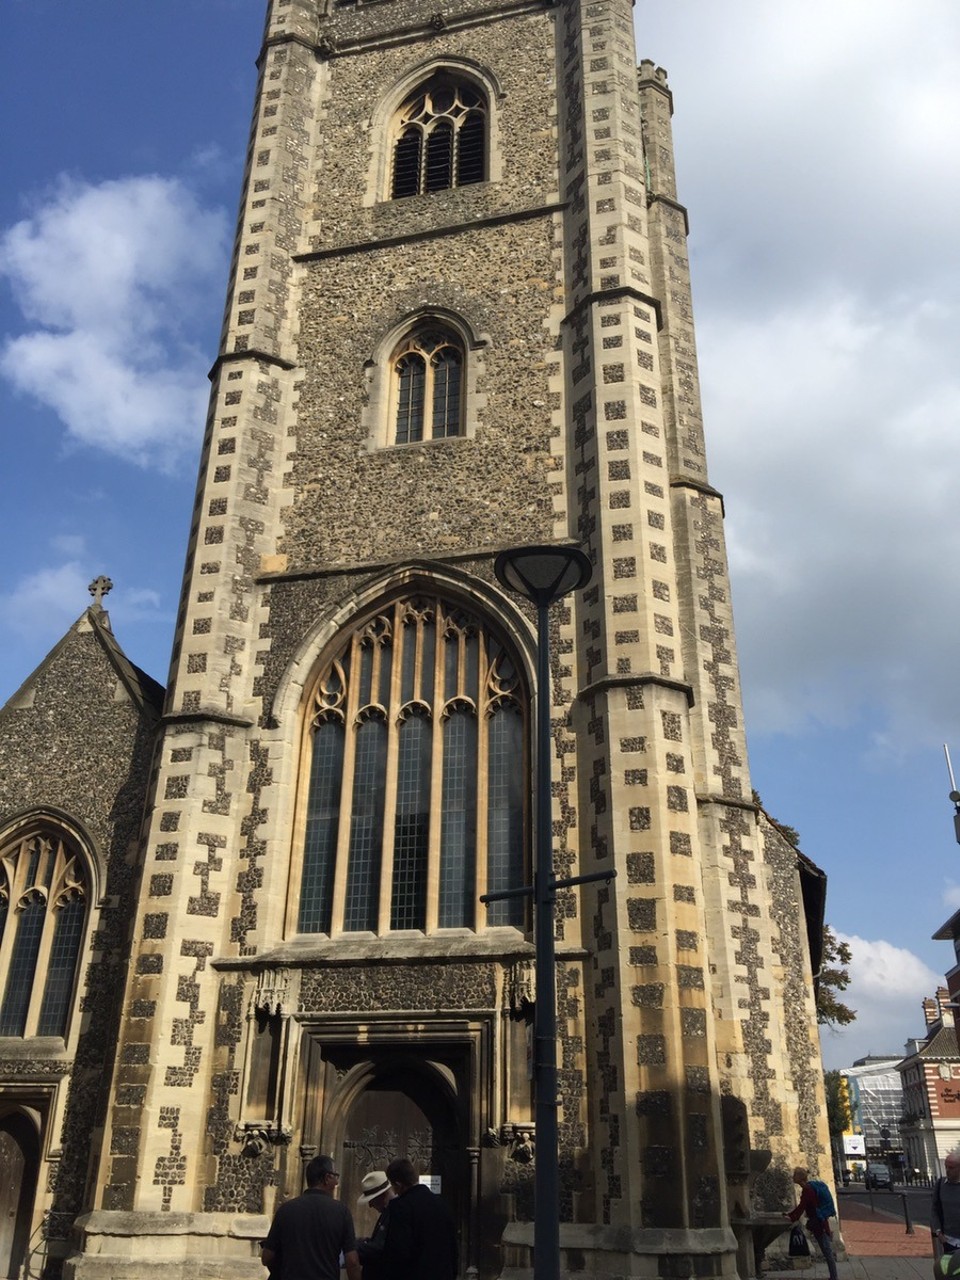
(945,1206)
(421,1240)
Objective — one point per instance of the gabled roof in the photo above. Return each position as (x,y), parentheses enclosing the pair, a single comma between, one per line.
(145,692)
(949,930)
(942,1044)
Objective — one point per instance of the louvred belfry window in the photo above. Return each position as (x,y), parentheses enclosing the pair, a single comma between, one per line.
(43,908)
(428,374)
(441,139)
(416,777)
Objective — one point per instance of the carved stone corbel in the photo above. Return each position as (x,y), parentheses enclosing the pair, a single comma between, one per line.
(273,994)
(255,1137)
(520,986)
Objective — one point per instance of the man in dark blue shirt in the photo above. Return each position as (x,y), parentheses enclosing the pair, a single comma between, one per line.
(309,1234)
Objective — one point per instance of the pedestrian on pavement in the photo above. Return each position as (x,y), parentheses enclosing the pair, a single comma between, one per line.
(310,1233)
(421,1239)
(945,1206)
(376,1192)
(819,1227)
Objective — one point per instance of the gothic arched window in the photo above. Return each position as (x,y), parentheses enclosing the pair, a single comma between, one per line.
(441,139)
(43,911)
(416,777)
(428,386)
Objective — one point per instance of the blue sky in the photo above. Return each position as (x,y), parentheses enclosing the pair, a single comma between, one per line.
(816,152)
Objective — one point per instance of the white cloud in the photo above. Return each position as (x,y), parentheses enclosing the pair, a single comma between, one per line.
(69,544)
(832,433)
(45,602)
(827,294)
(109,277)
(42,605)
(887,985)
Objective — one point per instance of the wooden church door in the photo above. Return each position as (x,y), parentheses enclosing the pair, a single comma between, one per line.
(399,1113)
(19,1163)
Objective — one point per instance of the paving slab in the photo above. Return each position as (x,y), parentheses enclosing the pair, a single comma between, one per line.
(878,1248)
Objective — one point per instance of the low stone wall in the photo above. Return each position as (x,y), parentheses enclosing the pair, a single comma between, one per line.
(166,1246)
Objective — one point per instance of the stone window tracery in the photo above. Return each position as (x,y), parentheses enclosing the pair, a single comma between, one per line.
(43,910)
(416,789)
(428,386)
(441,139)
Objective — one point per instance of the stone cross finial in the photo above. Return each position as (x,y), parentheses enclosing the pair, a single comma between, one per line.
(98,589)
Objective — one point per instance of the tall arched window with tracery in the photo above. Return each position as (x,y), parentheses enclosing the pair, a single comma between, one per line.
(43,910)
(441,138)
(428,385)
(416,776)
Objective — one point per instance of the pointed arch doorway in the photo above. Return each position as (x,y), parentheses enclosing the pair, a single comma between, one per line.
(403,1109)
(19,1166)
(366,1104)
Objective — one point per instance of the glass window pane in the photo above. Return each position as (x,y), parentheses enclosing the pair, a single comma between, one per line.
(23,965)
(451,664)
(408,901)
(323,824)
(366,675)
(428,661)
(361,908)
(458,830)
(446,393)
(67,935)
(411,389)
(36,844)
(408,646)
(505,850)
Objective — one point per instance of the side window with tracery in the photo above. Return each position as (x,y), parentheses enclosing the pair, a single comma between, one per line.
(43,910)
(441,139)
(428,386)
(415,762)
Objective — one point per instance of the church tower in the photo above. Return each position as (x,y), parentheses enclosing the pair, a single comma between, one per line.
(459,320)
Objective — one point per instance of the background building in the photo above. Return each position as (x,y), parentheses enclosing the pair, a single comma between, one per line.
(930,1072)
(875,1098)
(459,320)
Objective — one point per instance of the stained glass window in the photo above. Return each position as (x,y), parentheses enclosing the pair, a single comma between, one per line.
(43,904)
(419,714)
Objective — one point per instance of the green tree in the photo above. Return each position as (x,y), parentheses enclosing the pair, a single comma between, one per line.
(838,1103)
(834,977)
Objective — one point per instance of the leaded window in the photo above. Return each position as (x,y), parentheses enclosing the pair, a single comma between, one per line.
(416,777)
(441,139)
(43,907)
(428,373)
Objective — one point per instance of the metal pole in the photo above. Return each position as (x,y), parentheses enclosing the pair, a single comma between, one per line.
(546,1226)
(906,1214)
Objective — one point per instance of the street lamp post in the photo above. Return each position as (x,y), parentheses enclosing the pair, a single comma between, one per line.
(544,574)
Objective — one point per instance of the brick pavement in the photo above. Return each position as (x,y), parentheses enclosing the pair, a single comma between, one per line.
(877,1245)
